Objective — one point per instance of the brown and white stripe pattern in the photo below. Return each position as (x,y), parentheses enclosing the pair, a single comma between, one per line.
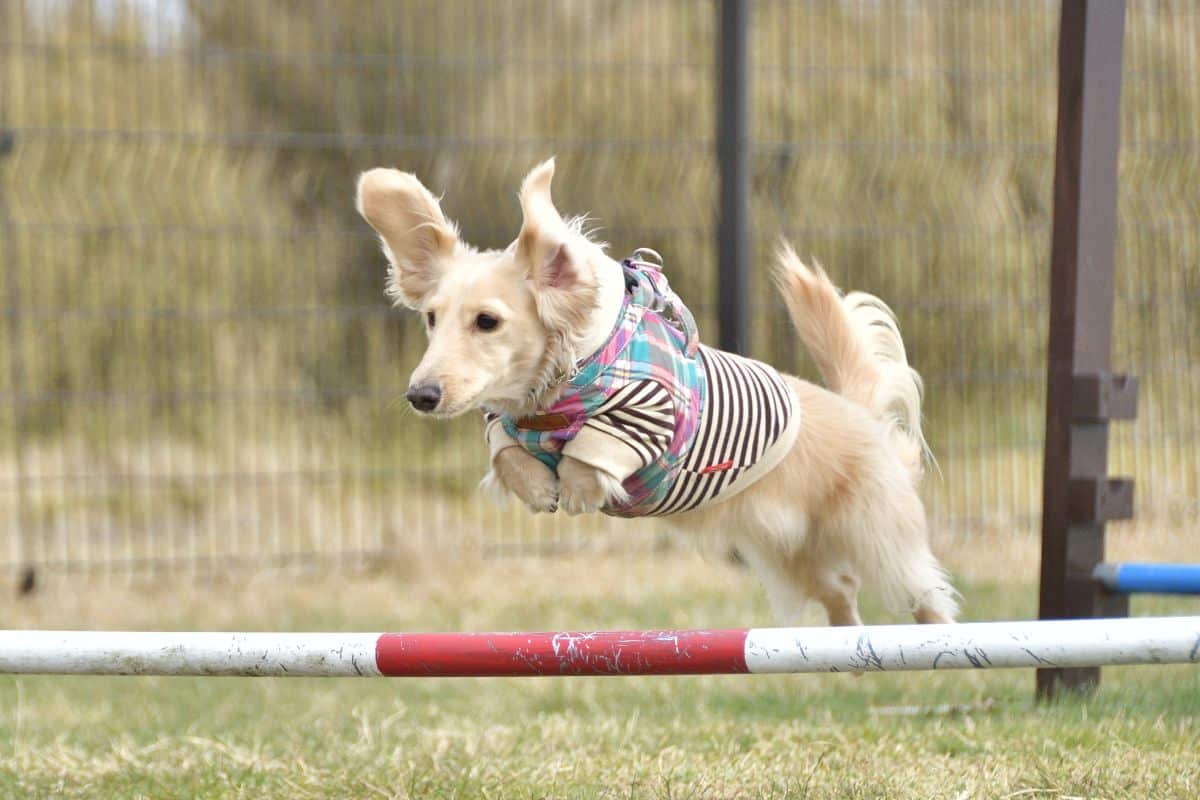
(639,415)
(748,424)
(750,421)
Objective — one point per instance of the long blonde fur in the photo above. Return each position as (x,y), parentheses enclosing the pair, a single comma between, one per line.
(841,511)
(856,344)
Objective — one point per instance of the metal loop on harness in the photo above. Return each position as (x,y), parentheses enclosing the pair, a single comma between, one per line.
(640,254)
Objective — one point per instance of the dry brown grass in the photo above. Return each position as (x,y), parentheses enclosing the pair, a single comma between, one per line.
(472,590)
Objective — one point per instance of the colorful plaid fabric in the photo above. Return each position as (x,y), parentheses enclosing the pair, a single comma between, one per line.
(655,338)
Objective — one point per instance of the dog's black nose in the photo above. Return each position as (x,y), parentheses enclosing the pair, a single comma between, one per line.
(424,397)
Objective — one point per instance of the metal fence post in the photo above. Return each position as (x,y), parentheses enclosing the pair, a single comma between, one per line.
(26,579)
(1081,394)
(733,159)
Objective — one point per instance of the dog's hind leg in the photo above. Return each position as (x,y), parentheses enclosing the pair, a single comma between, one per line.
(784,591)
(837,591)
(883,535)
(927,615)
(931,598)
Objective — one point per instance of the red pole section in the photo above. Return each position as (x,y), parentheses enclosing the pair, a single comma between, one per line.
(696,652)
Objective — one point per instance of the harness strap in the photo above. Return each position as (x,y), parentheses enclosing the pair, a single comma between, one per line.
(662,299)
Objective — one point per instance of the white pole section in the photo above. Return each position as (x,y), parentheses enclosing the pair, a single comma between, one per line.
(978,645)
(133,653)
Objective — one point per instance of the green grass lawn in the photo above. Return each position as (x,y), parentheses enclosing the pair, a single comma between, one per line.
(812,736)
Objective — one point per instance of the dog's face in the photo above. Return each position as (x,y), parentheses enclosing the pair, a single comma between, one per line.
(498,321)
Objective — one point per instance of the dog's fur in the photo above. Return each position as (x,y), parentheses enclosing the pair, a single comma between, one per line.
(840,509)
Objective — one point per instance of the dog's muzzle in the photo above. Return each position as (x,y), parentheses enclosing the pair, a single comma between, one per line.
(424,397)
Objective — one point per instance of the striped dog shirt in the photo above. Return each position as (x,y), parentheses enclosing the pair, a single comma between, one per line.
(680,425)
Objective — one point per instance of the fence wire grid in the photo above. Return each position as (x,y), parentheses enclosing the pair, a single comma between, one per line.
(198,367)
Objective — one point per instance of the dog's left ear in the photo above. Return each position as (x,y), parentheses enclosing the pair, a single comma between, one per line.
(565,291)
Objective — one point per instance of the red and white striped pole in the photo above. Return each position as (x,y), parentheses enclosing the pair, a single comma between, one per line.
(990,645)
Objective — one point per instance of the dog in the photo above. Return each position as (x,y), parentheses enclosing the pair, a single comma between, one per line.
(598,397)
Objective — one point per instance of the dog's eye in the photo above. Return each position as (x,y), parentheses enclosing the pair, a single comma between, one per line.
(431,318)
(486,322)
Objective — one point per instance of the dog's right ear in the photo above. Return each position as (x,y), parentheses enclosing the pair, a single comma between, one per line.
(416,236)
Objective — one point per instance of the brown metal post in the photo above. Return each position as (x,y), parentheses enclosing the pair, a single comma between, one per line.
(1077,495)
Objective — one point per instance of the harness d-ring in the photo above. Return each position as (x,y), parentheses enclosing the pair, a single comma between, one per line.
(640,253)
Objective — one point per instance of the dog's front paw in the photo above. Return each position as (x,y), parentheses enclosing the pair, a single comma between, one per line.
(583,489)
(526,477)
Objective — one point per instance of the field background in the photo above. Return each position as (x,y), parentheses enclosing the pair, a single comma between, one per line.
(199,369)
(201,413)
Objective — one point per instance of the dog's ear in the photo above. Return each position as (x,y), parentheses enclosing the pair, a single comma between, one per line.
(564,290)
(416,235)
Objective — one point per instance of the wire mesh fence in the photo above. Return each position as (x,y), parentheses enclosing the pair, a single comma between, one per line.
(199,368)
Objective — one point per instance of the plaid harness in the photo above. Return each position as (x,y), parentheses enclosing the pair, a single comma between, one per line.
(654,338)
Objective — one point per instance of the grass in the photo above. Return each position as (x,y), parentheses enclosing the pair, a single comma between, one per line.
(779,736)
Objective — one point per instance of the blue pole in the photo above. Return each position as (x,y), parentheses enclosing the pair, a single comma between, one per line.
(1149,578)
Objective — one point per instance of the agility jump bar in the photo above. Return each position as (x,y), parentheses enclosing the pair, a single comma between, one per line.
(1148,578)
(987,645)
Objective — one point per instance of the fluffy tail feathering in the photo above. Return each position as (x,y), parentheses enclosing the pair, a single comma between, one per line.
(856,344)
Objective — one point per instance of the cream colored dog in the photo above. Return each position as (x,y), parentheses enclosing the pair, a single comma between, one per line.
(507,327)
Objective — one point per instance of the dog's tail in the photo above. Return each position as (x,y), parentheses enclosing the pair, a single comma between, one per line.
(857,347)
